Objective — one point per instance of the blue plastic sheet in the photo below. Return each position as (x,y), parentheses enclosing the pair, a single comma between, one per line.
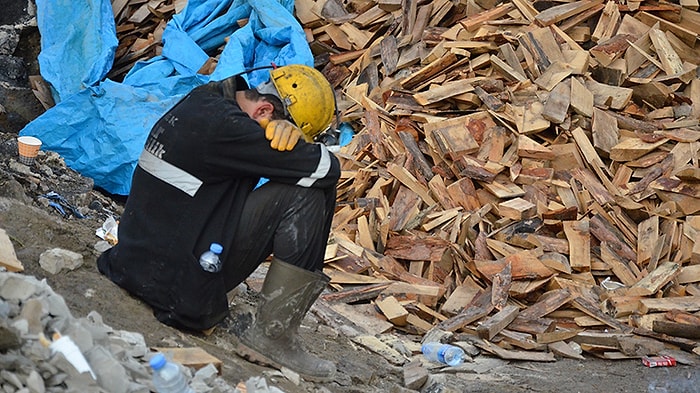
(99,126)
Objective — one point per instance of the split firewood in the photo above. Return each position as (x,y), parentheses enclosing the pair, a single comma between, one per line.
(504,181)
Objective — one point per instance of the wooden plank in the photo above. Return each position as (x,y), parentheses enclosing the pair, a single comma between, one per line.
(511,58)
(473,22)
(393,310)
(683,303)
(478,308)
(654,281)
(689,37)
(607,23)
(429,71)
(553,75)
(562,348)
(618,265)
(527,147)
(558,13)
(517,209)
(606,95)
(442,92)
(194,357)
(516,355)
(556,107)
(676,329)
(689,274)
(500,287)
(556,335)
(670,61)
(389,54)
(524,265)
(427,294)
(506,70)
(493,325)
(630,149)
(605,131)
(547,303)
(407,179)
(461,297)
(594,311)
(606,232)
(579,237)
(581,98)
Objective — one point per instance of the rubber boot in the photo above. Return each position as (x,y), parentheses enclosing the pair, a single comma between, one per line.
(287,295)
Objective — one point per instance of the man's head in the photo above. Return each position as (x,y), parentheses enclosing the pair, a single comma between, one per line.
(260,106)
(306,97)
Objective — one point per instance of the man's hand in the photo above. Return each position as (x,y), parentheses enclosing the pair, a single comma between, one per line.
(282,134)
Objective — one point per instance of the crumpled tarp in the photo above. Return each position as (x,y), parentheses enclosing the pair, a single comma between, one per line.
(98,125)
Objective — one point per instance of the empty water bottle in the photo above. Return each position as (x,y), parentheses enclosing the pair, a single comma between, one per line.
(167,376)
(443,353)
(209,260)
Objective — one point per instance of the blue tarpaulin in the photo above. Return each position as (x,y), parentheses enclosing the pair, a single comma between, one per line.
(98,125)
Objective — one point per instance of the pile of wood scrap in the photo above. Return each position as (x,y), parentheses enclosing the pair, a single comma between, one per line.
(525,173)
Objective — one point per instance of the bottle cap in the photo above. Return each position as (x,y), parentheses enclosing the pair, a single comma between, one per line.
(216,248)
(157,361)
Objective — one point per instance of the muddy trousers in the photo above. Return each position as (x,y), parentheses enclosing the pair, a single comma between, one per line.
(288,221)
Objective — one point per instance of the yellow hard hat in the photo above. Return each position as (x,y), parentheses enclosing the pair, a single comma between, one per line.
(307,96)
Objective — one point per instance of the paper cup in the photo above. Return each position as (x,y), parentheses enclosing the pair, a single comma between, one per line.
(28,147)
(72,353)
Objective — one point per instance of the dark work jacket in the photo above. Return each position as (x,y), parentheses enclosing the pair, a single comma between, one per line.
(200,162)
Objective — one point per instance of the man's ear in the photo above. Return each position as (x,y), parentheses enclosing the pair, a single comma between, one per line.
(264,109)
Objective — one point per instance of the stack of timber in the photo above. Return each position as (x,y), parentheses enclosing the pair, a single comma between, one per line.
(523,173)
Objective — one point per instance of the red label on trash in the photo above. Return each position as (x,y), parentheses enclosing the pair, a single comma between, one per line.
(659,361)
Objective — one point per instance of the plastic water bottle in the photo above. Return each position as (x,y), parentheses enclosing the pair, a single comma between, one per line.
(167,377)
(443,353)
(209,260)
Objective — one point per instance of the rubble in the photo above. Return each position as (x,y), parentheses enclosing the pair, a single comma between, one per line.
(30,309)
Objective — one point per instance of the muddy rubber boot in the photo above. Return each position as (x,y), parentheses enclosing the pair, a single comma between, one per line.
(287,294)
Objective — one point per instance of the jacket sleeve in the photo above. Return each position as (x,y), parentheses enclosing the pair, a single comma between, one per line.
(241,148)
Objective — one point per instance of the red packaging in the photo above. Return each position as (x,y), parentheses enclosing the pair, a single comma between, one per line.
(659,361)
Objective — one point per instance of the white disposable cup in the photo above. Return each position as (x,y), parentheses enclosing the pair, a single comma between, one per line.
(28,147)
(72,353)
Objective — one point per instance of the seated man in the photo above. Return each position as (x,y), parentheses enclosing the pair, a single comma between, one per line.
(195,185)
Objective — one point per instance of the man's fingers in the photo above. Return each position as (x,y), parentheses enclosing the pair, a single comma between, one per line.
(293,139)
(283,139)
(269,130)
(283,135)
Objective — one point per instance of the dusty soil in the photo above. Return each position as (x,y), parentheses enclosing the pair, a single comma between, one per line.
(35,227)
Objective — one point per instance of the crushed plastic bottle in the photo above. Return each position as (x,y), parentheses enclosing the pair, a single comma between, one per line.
(443,353)
(209,260)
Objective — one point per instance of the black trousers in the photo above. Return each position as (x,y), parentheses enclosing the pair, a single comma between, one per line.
(291,222)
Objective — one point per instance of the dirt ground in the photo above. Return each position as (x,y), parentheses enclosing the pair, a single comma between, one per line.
(35,227)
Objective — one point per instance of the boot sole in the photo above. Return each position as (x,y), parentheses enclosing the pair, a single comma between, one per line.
(256,357)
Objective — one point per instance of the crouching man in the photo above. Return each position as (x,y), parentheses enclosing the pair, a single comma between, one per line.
(195,184)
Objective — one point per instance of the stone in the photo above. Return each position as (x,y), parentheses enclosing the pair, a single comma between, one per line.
(13,287)
(32,311)
(57,259)
(9,337)
(35,382)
